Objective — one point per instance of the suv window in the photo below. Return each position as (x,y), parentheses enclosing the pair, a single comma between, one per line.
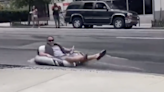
(88,6)
(73,7)
(100,6)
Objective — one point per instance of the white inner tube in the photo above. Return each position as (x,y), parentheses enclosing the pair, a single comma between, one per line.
(52,61)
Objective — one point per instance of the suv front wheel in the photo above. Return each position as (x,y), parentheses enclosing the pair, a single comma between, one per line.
(77,22)
(119,22)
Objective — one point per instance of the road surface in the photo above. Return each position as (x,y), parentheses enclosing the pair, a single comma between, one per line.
(132,50)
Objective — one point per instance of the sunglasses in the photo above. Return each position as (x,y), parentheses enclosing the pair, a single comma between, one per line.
(50,40)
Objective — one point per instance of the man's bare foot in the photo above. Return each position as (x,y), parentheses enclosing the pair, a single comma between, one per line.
(101,54)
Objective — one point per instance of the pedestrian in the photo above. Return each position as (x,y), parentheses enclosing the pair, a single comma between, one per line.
(62,21)
(56,10)
(34,16)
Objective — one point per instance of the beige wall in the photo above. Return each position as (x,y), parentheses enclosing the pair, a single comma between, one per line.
(146,18)
(159,9)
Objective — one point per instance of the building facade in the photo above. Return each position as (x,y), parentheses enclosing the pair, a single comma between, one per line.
(142,7)
(158,9)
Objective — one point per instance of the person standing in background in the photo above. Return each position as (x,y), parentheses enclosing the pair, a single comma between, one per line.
(56,10)
(34,16)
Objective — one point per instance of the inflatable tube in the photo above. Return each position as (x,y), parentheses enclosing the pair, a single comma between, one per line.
(55,61)
(43,60)
(52,61)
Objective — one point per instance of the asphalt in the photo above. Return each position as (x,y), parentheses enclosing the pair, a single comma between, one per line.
(133,50)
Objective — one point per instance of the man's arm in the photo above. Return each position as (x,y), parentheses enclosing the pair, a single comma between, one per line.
(44,54)
(64,49)
(69,50)
(41,52)
(52,8)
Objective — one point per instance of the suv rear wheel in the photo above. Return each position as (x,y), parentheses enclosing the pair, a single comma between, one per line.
(77,22)
(119,22)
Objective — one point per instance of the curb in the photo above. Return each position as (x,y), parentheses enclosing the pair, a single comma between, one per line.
(72,27)
(15,27)
(157,27)
(31,27)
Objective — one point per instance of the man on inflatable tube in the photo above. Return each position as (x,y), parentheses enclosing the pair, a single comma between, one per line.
(54,54)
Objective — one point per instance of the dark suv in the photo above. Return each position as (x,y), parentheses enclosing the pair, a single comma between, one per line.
(89,13)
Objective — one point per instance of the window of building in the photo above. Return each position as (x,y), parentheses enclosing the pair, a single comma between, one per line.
(136,5)
(88,6)
(148,7)
(121,4)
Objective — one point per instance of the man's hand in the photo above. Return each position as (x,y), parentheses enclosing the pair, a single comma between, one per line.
(69,50)
(49,56)
(30,12)
(45,54)
(72,49)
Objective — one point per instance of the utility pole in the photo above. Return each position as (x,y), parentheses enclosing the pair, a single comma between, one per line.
(29,9)
(143,7)
(160,9)
(127,4)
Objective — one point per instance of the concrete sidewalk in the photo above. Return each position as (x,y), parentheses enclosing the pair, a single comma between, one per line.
(52,25)
(67,80)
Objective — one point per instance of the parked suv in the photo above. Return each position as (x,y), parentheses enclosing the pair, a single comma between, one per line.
(89,13)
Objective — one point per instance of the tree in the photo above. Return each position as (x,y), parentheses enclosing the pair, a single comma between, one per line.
(30,3)
(22,3)
(1,7)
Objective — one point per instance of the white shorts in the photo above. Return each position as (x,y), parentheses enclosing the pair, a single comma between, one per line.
(35,16)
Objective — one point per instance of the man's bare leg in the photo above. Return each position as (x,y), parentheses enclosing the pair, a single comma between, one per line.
(33,21)
(76,58)
(85,58)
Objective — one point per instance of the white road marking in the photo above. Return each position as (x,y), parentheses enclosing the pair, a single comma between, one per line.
(147,38)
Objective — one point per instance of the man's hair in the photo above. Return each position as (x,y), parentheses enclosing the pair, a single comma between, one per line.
(49,37)
(55,4)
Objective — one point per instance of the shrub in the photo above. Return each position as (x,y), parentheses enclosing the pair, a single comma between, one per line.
(158,23)
(13,15)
